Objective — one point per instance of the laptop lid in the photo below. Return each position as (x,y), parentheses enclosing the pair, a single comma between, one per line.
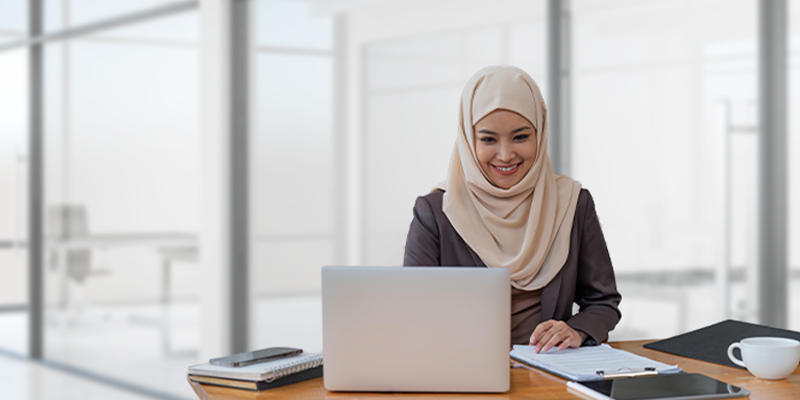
(426,329)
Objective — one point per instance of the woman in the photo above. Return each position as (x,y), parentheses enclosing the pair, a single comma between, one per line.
(503,207)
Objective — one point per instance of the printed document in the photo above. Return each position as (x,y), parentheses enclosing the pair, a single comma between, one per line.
(589,363)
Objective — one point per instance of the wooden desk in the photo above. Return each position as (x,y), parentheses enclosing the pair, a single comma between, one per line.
(527,384)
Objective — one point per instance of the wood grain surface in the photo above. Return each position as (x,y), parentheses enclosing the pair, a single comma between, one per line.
(527,384)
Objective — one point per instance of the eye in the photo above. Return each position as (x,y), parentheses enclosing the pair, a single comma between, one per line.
(521,137)
(488,139)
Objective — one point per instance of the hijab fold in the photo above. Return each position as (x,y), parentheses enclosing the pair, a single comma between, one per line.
(526,228)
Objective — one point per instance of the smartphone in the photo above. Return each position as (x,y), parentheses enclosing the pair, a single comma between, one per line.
(252,357)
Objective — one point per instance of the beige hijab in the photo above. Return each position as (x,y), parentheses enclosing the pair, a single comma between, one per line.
(526,228)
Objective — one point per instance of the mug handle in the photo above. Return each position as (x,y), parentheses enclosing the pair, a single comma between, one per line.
(735,360)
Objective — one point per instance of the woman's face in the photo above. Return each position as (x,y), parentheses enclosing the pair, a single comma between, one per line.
(506,147)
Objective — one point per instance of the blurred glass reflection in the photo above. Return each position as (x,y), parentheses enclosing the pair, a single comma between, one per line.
(59,14)
(122,174)
(13,20)
(649,80)
(293,178)
(292,24)
(412,85)
(794,165)
(655,86)
(14,200)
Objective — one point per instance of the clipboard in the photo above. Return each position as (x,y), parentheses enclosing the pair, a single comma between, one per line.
(591,363)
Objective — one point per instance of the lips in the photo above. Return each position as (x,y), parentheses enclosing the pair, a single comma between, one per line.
(506,169)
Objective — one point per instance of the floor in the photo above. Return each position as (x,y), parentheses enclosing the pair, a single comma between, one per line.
(25,380)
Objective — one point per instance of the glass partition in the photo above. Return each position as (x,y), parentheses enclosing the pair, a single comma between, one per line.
(353,118)
(13,179)
(13,21)
(59,14)
(404,92)
(293,172)
(122,177)
(290,24)
(14,200)
(794,165)
(412,84)
(664,136)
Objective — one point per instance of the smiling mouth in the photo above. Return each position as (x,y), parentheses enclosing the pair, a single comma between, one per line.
(507,170)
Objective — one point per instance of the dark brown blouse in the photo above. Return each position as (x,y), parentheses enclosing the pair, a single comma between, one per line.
(526,313)
(587,277)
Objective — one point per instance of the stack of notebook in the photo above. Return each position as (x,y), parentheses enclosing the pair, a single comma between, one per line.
(261,376)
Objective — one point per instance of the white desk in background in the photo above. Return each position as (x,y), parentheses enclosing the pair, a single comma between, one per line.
(11,244)
(170,247)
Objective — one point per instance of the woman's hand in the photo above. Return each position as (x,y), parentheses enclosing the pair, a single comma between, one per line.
(554,333)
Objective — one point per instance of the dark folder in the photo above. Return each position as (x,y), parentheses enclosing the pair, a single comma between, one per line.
(258,386)
(711,343)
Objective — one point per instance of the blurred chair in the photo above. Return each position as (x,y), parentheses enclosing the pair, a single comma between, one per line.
(66,222)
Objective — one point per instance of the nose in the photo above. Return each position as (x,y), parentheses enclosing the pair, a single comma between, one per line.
(505,153)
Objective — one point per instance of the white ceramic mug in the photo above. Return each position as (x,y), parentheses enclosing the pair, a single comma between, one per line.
(767,357)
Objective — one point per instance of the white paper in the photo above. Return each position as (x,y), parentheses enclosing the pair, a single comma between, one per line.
(263,371)
(583,364)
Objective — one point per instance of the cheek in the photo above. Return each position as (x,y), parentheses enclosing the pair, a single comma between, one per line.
(483,152)
(530,153)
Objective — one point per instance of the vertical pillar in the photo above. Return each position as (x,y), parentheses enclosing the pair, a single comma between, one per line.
(340,147)
(559,83)
(773,141)
(35,186)
(722,271)
(240,59)
(224,230)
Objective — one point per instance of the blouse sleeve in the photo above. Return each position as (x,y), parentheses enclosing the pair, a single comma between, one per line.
(596,292)
(422,243)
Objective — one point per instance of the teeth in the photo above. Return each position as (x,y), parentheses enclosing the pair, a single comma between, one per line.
(506,169)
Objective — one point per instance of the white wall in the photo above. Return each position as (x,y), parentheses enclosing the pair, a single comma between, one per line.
(392,20)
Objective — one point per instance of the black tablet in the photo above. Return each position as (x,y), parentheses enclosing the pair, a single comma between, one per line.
(660,387)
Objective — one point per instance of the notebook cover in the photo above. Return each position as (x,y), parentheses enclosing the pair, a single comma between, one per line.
(258,371)
(711,343)
(312,373)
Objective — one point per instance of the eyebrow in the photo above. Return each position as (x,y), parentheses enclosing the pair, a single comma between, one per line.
(518,130)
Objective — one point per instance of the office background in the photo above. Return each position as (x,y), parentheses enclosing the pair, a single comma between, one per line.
(351,114)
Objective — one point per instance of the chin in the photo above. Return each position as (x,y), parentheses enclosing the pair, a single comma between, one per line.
(503,184)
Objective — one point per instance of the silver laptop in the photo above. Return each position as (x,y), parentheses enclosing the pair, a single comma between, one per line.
(440,329)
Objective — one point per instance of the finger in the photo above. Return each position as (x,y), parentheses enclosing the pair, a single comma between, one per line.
(554,341)
(540,329)
(541,339)
(560,325)
(572,337)
(571,341)
(544,338)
